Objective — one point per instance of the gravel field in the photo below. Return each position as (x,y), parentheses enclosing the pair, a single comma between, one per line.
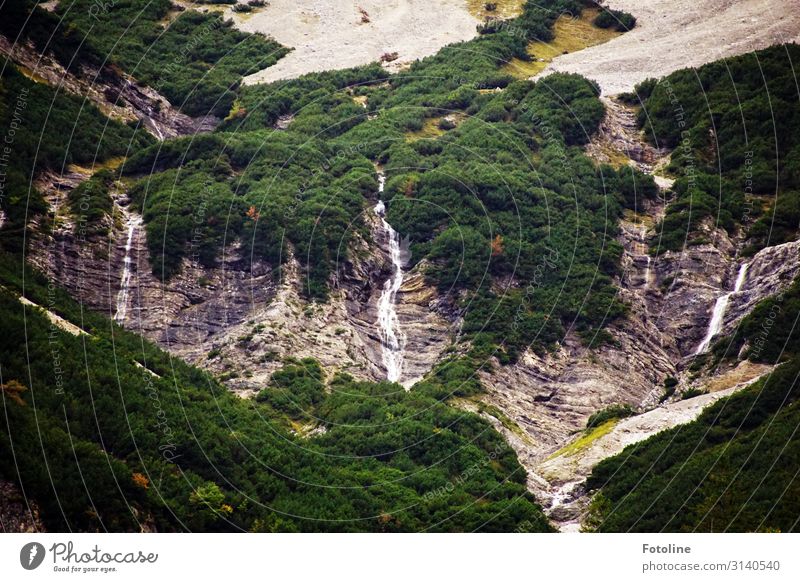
(674,34)
(330,34)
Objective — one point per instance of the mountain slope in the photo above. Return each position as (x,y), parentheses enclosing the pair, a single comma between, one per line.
(107,432)
(562,269)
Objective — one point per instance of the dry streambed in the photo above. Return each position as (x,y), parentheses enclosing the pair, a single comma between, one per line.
(565,470)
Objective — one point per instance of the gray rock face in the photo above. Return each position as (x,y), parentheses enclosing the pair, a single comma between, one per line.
(428,322)
(566,469)
(618,141)
(548,399)
(243,314)
(770,271)
(689,283)
(83,262)
(183,314)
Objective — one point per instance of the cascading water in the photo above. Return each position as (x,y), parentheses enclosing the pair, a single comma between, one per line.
(718,315)
(643,237)
(392,338)
(124,288)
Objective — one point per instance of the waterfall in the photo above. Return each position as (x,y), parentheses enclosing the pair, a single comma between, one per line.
(718,315)
(124,287)
(392,338)
(643,243)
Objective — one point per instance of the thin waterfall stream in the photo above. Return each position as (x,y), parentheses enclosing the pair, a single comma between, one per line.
(643,236)
(123,294)
(392,338)
(721,305)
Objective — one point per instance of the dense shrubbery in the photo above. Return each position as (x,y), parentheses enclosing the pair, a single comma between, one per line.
(296,389)
(42,28)
(616,19)
(91,202)
(506,208)
(770,331)
(492,198)
(269,190)
(49,130)
(735,124)
(611,413)
(173,448)
(197,61)
(733,469)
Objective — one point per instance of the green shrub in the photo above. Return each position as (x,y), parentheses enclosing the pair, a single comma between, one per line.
(616,19)
(612,412)
(692,393)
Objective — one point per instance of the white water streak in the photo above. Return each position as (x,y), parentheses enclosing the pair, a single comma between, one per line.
(718,315)
(134,222)
(392,338)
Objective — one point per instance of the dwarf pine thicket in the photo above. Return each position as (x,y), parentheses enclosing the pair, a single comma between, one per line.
(389,460)
(734,468)
(497,194)
(503,193)
(727,147)
(166,445)
(76,133)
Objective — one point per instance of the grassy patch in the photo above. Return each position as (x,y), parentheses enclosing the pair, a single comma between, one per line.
(571,35)
(502,8)
(636,218)
(586,439)
(433,127)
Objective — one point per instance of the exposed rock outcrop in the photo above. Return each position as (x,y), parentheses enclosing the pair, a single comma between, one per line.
(619,142)
(183,314)
(770,271)
(116,94)
(341,333)
(428,321)
(241,319)
(566,469)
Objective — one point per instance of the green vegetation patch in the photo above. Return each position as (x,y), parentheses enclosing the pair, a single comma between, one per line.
(734,127)
(733,469)
(583,442)
(179,451)
(47,130)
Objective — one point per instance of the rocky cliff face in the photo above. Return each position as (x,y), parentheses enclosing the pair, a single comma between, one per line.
(240,319)
(769,272)
(428,321)
(341,333)
(542,404)
(565,470)
(183,314)
(545,402)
